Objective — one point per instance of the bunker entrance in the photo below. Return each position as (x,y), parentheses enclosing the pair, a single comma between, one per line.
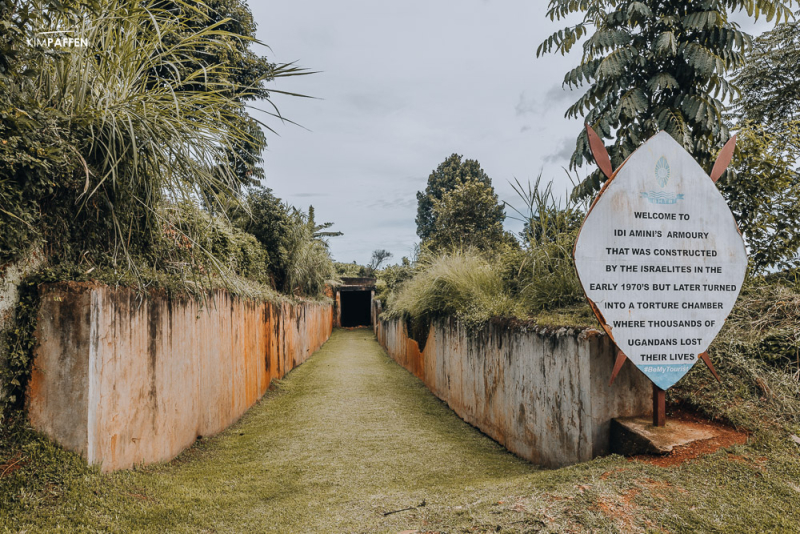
(356,308)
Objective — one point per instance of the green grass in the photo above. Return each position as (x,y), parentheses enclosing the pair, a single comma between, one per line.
(350,435)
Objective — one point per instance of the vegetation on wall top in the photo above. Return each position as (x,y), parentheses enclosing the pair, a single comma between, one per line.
(136,152)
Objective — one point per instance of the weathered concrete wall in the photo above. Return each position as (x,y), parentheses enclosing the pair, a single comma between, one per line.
(125,381)
(542,394)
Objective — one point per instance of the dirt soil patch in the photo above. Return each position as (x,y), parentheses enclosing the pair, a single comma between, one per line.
(725,436)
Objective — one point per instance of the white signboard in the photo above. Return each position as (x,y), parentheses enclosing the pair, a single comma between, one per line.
(661,259)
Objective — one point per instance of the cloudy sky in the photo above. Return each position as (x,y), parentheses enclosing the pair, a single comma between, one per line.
(401,86)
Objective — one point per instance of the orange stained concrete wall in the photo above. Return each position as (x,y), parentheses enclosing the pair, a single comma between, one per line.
(125,381)
(541,393)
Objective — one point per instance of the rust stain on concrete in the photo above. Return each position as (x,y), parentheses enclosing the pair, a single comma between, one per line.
(125,382)
(540,392)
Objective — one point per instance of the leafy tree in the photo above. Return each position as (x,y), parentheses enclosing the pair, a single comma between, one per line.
(446,177)
(764,189)
(770,79)
(266,217)
(294,241)
(764,192)
(650,66)
(318,230)
(469,215)
(309,266)
(378,257)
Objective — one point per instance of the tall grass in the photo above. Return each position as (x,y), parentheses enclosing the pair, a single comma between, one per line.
(464,284)
(155,123)
(757,354)
(546,278)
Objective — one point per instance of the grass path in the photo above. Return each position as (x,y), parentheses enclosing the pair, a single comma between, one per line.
(350,435)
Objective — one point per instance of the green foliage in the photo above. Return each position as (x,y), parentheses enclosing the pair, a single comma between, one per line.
(240,252)
(757,354)
(308,262)
(763,325)
(449,174)
(770,79)
(544,276)
(299,261)
(653,66)
(544,217)
(243,79)
(531,282)
(266,217)
(19,342)
(764,192)
(391,279)
(468,216)
(462,284)
(350,269)
(101,142)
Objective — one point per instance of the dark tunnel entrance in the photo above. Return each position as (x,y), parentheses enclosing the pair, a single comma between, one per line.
(356,308)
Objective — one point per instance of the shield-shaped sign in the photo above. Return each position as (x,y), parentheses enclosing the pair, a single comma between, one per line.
(661,259)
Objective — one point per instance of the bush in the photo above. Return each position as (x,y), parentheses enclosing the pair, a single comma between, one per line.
(350,269)
(464,284)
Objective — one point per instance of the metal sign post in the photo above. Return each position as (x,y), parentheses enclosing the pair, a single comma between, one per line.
(660,259)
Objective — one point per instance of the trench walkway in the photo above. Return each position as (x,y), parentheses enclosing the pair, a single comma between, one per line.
(347,436)
(350,435)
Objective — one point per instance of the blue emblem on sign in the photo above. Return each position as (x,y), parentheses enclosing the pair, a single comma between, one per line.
(662,171)
(662,197)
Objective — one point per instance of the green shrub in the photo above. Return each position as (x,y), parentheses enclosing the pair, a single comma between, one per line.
(308,262)
(350,269)
(391,279)
(464,284)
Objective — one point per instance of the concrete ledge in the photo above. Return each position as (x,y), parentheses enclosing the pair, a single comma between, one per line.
(637,435)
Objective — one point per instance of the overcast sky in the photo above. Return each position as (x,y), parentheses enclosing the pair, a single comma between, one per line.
(403,85)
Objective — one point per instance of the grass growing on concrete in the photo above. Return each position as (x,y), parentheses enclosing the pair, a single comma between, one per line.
(349,436)
(475,287)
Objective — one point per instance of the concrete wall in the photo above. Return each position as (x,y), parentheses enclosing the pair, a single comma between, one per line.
(125,381)
(543,394)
